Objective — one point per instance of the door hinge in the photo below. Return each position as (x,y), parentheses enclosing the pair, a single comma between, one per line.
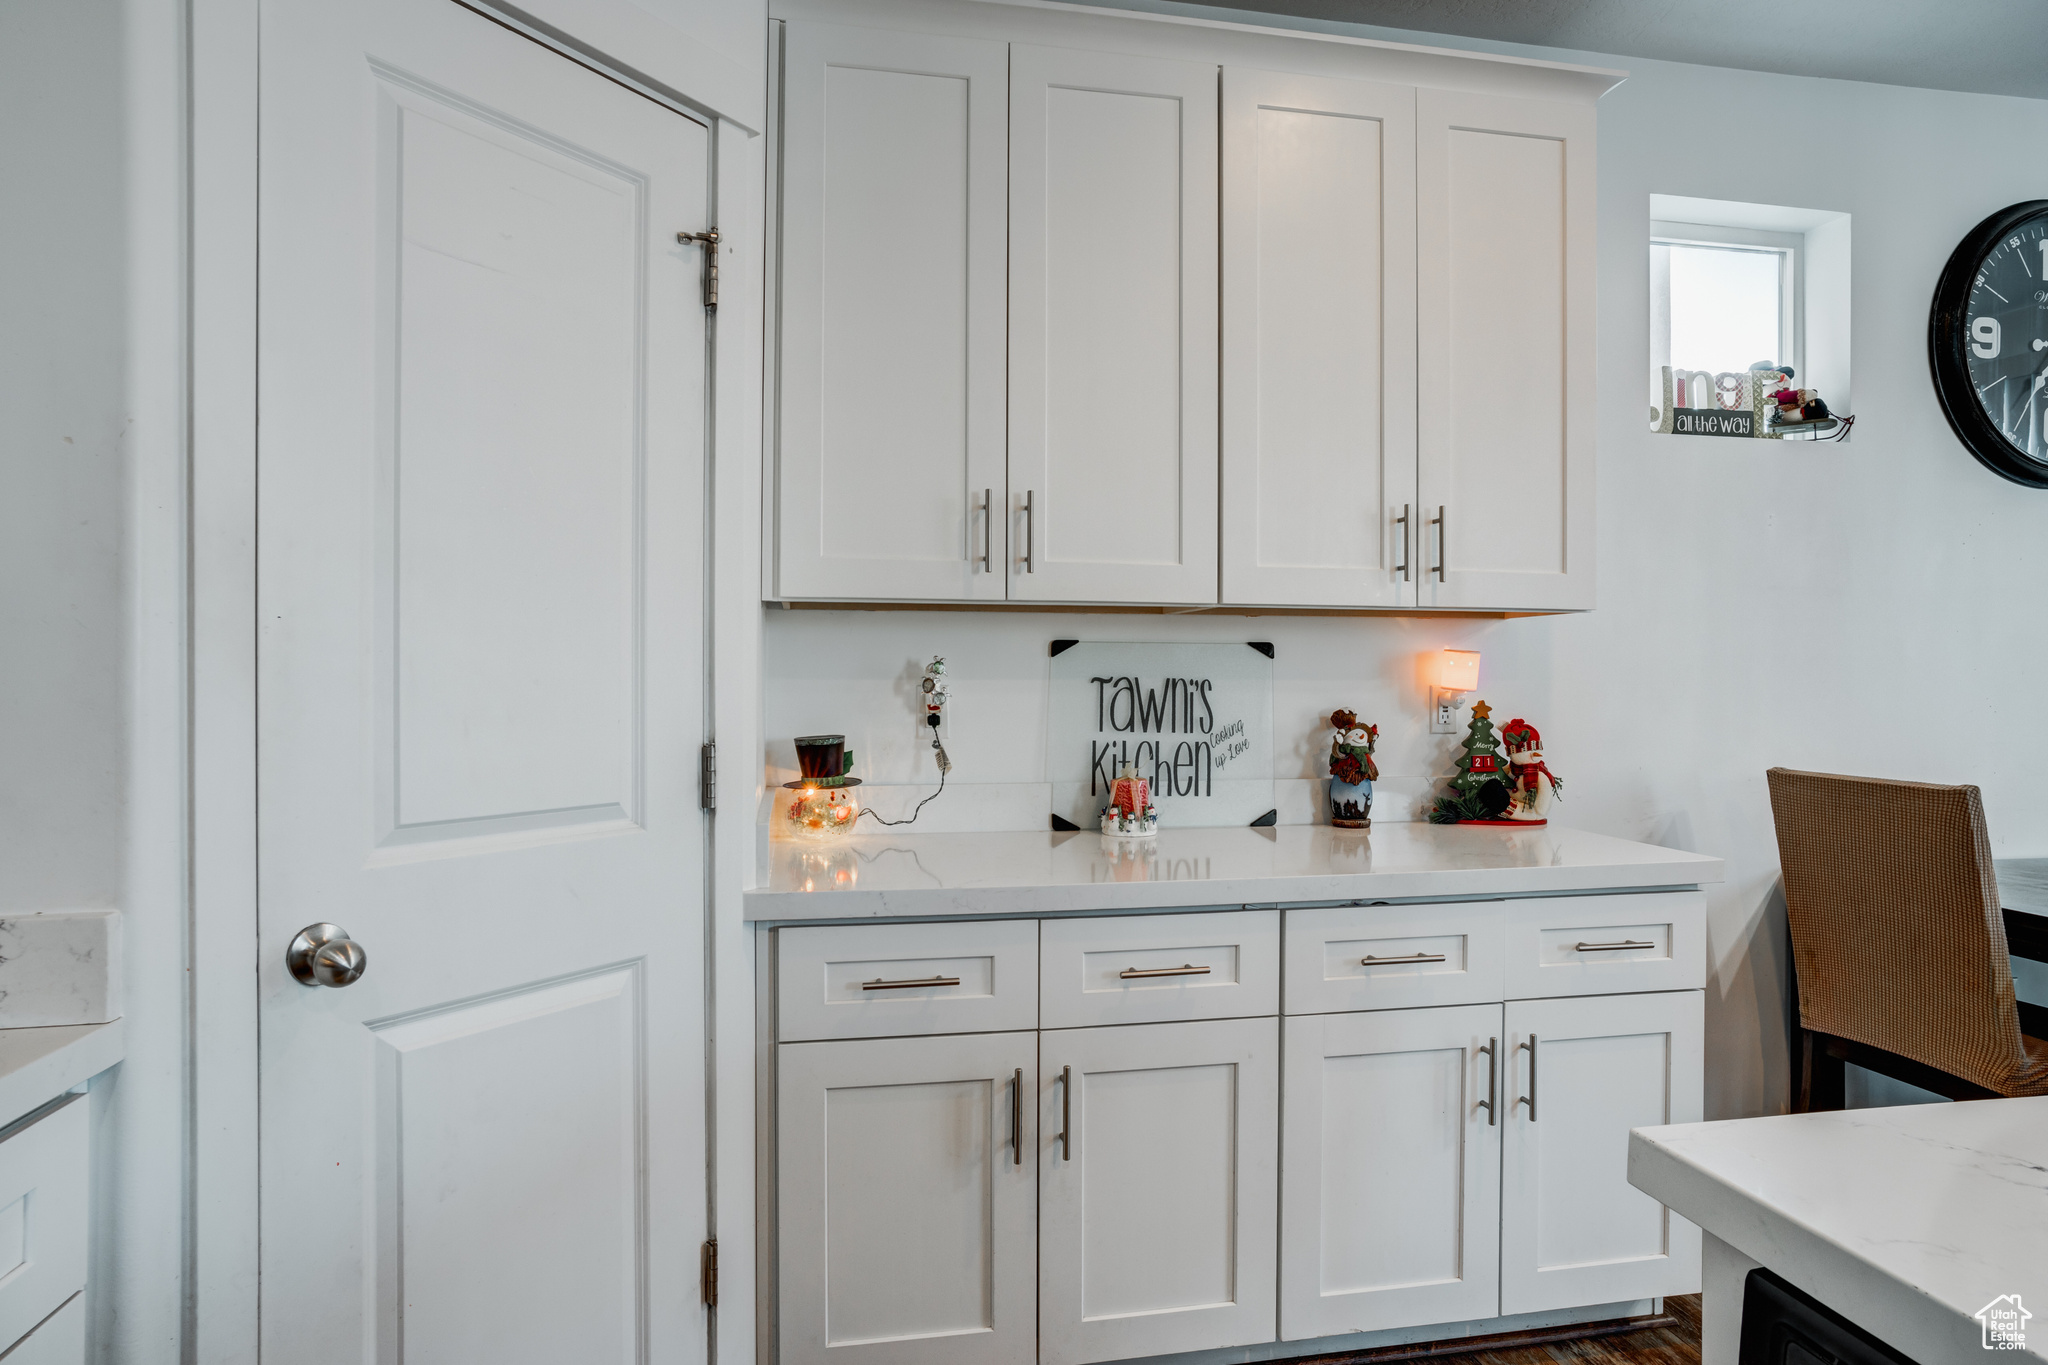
(710,240)
(707,776)
(708,1274)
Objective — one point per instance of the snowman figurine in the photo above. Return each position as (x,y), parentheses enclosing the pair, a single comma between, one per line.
(1352,771)
(1532,786)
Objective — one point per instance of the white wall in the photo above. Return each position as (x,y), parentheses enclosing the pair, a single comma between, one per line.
(62,457)
(91,554)
(1867,607)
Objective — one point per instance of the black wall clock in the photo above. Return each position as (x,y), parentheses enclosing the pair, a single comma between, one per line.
(1987,342)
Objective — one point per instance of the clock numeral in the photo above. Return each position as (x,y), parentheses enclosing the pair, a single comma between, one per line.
(2043,244)
(1985,336)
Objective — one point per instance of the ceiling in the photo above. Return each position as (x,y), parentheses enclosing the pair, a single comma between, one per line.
(1996,47)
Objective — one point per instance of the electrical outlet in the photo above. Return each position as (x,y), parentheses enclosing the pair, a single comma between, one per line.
(1443,710)
(926,732)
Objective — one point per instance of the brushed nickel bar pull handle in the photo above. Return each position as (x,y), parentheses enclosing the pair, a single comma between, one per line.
(1530,1098)
(1017,1117)
(1029,529)
(1402,522)
(1066,1113)
(1610,947)
(988,539)
(1443,542)
(880,985)
(1492,1051)
(1370,961)
(1185,969)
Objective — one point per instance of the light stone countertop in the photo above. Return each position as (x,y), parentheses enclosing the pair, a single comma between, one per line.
(870,876)
(1906,1221)
(39,1064)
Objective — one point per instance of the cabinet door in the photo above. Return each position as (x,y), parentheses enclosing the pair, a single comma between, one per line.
(1504,335)
(1156,1212)
(889,448)
(1391,1205)
(44,1178)
(1112,327)
(907,1207)
(1318,341)
(1584,1071)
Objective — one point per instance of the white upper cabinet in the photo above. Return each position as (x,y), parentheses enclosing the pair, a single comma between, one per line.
(1112,327)
(1505,351)
(890,440)
(1166,326)
(1318,341)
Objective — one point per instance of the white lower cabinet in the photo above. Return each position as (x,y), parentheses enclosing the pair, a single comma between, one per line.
(1391,1198)
(908,1202)
(1144,1183)
(1157,1177)
(43,1218)
(1585,1070)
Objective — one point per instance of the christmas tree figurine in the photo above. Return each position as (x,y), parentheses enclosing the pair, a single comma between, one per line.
(1479,793)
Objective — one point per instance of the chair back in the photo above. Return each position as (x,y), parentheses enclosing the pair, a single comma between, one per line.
(1896,931)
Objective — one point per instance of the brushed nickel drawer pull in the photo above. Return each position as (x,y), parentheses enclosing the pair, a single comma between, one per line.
(1017,1117)
(1066,1113)
(1492,1051)
(1610,947)
(1370,961)
(1530,1098)
(1185,969)
(880,985)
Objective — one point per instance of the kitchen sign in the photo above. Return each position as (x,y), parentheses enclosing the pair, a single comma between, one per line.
(1196,721)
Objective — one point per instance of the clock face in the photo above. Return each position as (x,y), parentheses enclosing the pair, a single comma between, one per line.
(2008,336)
(1988,342)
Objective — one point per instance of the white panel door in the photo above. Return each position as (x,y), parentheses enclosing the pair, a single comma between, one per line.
(890,445)
(1390,1209)
(1505,355)
(1318,341)
(1583,1071)
(907,1200)
(482,359)
(1157,1188)
(1112,327)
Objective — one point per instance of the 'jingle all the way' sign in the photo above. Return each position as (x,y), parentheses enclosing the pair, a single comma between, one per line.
(1196,721)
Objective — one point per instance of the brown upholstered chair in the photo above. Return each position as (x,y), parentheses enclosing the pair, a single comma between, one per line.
(1898,941)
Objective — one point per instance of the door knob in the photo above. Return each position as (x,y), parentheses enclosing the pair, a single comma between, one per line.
(324,955)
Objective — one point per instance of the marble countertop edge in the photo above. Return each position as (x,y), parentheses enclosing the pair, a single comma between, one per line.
(1909,1316)
(1016,874)
(39,1064)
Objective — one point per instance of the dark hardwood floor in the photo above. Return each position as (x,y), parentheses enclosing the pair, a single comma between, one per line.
(1673,1339)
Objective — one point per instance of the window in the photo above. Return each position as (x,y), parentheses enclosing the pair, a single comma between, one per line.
(1732,284)
(1722,299)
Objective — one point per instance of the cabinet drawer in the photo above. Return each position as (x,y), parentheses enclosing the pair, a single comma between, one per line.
(1603,945)
(1421,955)
(889,980)
(42,1217)
(1145,969)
